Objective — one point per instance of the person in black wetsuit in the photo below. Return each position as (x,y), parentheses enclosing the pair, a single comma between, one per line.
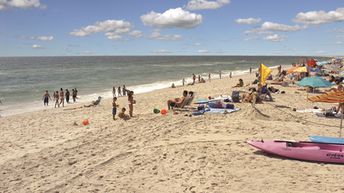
(46,98)
(67,95)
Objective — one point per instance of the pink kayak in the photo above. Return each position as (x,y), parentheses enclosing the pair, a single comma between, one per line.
(310,151)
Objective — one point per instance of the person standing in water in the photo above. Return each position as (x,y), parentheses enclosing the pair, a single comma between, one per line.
(193,79)
(113,91)
(67,95)
(46,98)
(131,103)
(209,77)
(124,91)
(183,81)
(74,95)
(119,91)
(61,97)
(220,74)
(56,98)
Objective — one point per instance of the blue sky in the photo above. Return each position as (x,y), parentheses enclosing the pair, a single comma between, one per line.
(171,27)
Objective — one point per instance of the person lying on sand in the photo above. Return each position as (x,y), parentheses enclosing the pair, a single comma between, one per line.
(94,103)
(177,101)
(240,84)
(122,114)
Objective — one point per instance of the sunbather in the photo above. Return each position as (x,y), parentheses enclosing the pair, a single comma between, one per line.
(177,101)
(94,103)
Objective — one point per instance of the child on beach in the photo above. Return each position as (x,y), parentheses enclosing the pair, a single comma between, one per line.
(61,97)
(114,107)
(56,97)
(122,114)
(240,84)
(131,102)
(46,98)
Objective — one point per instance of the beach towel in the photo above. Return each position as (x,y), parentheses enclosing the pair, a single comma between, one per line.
(220,111)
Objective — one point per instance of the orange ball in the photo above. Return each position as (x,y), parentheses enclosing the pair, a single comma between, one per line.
(85,122)
(163,111)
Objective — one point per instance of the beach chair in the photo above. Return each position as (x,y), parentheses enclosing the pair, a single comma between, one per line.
(185,105)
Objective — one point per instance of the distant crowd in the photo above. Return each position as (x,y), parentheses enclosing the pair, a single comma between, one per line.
(60,97)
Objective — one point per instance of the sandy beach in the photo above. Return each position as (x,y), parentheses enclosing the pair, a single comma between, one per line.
(45,152)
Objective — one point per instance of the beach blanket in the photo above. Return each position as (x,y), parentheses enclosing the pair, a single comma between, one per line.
(221,111)
(310,111)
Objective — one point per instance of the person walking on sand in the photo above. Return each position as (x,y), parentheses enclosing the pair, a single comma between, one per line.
(183,81)
(209,76)
(124,91)
(119,91)
(61,97)
(131,103)
(76,93)
(230,74)
(250,70)
(199,78)
(45,98)
(113,91)
(114,108)
(67,95)
(193,79)
(220,74)
(56,98)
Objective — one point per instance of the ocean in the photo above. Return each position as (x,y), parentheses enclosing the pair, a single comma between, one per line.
(23,80)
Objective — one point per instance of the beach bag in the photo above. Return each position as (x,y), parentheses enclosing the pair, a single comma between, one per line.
(229,106)
(236,96)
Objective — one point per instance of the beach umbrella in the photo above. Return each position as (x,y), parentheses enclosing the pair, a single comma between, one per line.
(315,82)
(297,69)
(331,97)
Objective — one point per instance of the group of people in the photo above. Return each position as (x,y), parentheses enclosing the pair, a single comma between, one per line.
(122,114)
(120,91)
(179,102)
(60,96)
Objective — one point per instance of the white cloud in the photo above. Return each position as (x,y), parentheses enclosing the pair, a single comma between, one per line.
(248,21)
(161,51)
(136,33)
(23,4)
(203,51)
(270,26)
(44,38)
(320,17)
(36,46)
(197,44)
(206,4)
(339,42)
(177,17)
(274,38)
(158,36)
(113,26)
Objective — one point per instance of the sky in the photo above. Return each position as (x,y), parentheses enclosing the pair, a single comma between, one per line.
(171,27)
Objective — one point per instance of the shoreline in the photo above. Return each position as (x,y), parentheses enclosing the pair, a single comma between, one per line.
(35,106)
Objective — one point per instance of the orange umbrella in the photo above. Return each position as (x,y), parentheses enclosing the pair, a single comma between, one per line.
(331,97)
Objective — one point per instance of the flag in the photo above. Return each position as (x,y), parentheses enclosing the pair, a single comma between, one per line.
(264,73)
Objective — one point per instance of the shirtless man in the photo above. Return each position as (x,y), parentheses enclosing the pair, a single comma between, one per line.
(61,97)
(46,98)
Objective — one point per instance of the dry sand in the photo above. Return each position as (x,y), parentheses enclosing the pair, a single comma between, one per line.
(44,152)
